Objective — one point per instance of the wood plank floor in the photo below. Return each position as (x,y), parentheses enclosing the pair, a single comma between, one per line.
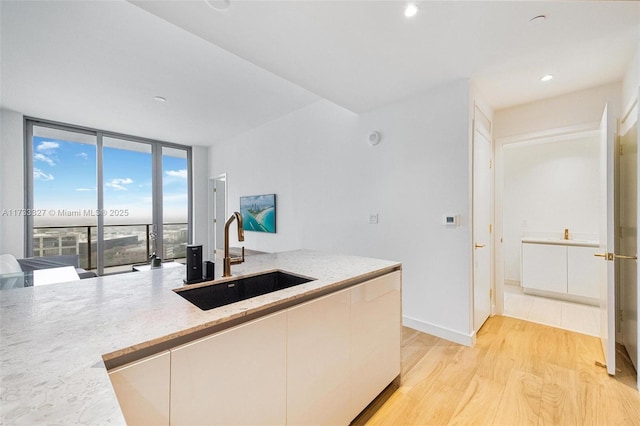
(519,373)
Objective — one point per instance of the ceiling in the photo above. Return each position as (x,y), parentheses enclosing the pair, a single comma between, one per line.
(100,64)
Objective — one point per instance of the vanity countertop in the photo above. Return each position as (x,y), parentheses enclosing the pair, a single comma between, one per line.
(55,339)
(561,242)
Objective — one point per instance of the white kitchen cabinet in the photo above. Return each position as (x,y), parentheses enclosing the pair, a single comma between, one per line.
(235,377)
(318,334)
(583,273)
(320,362)
(375,338)
(142,388)
(544,267)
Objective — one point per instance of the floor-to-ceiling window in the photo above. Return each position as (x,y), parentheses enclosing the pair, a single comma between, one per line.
(111,199)
(175,201)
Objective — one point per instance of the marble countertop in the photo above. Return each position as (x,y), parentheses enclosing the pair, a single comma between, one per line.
(562,242)
(55,339)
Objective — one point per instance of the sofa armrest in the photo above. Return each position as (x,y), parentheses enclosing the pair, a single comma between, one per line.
(34,263)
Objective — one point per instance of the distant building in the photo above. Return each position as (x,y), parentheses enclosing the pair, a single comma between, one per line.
(45,244)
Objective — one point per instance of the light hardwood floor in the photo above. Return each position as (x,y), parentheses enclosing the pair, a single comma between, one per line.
(519,373)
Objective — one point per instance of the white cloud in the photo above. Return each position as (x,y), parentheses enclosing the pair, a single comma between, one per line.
(44,158)
(48,146)
(40,175)
(117,183)
(85,189)
(177,173)
(120,181)
(82,155)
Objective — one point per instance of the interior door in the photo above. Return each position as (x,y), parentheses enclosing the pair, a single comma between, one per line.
(629,210)
(219,211)
(607,240)
(628,244)
(481,219)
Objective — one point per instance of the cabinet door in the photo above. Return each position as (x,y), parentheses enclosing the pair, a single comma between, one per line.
(583,271)
(142,388)
(318,361)
(375,338)
(235,377)
(544,267)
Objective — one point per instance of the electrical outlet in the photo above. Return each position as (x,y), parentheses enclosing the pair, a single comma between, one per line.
(373,218)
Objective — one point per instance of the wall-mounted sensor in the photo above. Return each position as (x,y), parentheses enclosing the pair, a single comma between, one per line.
(374,138)
(451,220)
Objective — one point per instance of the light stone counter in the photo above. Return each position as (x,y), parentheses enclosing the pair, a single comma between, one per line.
(53,338)
(561,242)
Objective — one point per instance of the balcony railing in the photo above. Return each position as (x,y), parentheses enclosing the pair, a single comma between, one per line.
(123,244)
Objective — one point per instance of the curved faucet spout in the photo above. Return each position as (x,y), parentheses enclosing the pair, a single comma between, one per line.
(228,261)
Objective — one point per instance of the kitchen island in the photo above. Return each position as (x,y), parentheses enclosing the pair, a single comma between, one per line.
(55,340)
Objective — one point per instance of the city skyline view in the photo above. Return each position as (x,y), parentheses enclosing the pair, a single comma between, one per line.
(65,200)
(64,181)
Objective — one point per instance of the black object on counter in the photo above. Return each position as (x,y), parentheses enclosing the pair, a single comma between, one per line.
(194,264)
(209,270)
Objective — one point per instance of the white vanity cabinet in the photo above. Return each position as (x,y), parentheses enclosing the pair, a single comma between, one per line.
(544,267)
(235,377)
(142,388)
(560,268)
(583,271)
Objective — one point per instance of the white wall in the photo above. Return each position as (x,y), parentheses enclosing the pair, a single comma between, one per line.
(328,179)
(573,109)
(11,182)
(631,82)
(549,187)
(200,190)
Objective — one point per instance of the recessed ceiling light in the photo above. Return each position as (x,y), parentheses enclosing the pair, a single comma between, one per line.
(218,4)
(410,10)
(160,99)
(538,19)
(546,77)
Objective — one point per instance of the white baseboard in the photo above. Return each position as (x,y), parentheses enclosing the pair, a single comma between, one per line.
(442,332)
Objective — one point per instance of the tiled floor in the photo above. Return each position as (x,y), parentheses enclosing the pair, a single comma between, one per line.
(557,313)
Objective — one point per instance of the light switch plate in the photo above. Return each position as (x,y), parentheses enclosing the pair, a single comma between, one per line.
(373,218)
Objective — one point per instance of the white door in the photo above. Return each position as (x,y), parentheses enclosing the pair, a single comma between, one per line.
(607,241)
(628,244)
(481,219)
(219,211)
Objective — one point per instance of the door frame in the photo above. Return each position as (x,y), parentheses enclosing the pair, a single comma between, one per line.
(486,130)
(213,219)
(533,137)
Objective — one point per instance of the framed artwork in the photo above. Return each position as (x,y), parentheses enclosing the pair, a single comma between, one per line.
(259,213)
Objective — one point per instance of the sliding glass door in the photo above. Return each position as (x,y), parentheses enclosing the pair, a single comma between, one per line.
(127,191)
(63,193)
(175,202)
(112,200)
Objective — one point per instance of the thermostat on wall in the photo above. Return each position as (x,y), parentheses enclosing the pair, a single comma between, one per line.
(451,220)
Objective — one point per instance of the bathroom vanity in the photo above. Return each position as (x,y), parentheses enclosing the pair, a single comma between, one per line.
(129,349)
(559,268)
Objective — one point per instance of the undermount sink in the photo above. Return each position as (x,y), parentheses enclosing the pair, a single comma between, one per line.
(242,288)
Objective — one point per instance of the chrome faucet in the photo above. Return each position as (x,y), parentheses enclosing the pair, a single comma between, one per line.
(228,261)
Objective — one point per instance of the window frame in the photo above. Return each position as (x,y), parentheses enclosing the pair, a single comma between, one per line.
(157,179)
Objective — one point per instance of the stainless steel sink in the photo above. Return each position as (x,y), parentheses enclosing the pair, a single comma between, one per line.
(242,288)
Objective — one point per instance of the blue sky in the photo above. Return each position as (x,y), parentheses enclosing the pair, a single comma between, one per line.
(65,178)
